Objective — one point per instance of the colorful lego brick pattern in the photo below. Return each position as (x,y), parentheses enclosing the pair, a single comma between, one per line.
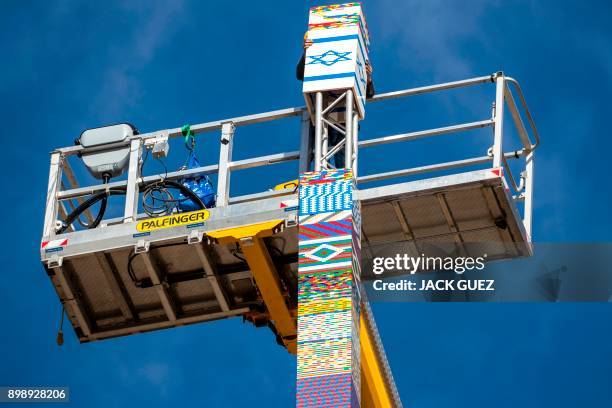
(323,228)
(338,22)
(339,16)
(328,365)
(329,192)
(333,7)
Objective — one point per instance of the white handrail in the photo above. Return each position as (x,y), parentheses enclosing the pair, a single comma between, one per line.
(229,166)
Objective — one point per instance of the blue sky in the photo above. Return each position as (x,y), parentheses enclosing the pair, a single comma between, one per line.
(71,65)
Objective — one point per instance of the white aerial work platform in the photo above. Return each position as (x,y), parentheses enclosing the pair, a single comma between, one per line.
(240,259)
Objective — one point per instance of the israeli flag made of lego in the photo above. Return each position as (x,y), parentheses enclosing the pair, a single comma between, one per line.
(336,60)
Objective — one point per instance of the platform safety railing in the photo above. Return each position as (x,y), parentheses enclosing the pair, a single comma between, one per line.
(60,169)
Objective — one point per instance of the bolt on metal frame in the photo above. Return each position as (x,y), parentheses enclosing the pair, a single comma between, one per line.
(504,98)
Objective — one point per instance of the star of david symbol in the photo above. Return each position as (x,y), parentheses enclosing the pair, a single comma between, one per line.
(361,73)
(329,58)
(323,253)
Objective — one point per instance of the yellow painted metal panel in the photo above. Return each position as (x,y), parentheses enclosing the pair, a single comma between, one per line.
(261,229)
(264,273)
(373,385)
(265,276)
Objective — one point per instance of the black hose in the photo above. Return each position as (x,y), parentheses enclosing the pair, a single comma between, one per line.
(101,212)
(187,192)
(94,223)
(146,282)
(106,178)
(103,195)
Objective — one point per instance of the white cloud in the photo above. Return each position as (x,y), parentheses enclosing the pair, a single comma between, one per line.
(155,373)
(152,27)
(430,34)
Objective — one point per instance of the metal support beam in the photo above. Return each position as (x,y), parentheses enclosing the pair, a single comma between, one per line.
(431,88)
(113,284)
(264,160)
(174,175)
(73,301)
(348,117)
(131,195)
(516,117)
(450,220)
(63,213)
(72,181)
(497,214)
(334,150)
(498,117)
(325,143)
(305,143)
(318,131)
(290,112)
(264,272)
(528,209)
(159,286)
(434,167)
(210,275)
(534,129)
(144,327)
(355,149)
(408,234)
(330,122)
(333,104)
(424,169)
(426,133)
(271,290)
(51,207)
(225,158)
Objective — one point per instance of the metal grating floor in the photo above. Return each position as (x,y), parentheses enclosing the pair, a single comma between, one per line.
(461,215)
